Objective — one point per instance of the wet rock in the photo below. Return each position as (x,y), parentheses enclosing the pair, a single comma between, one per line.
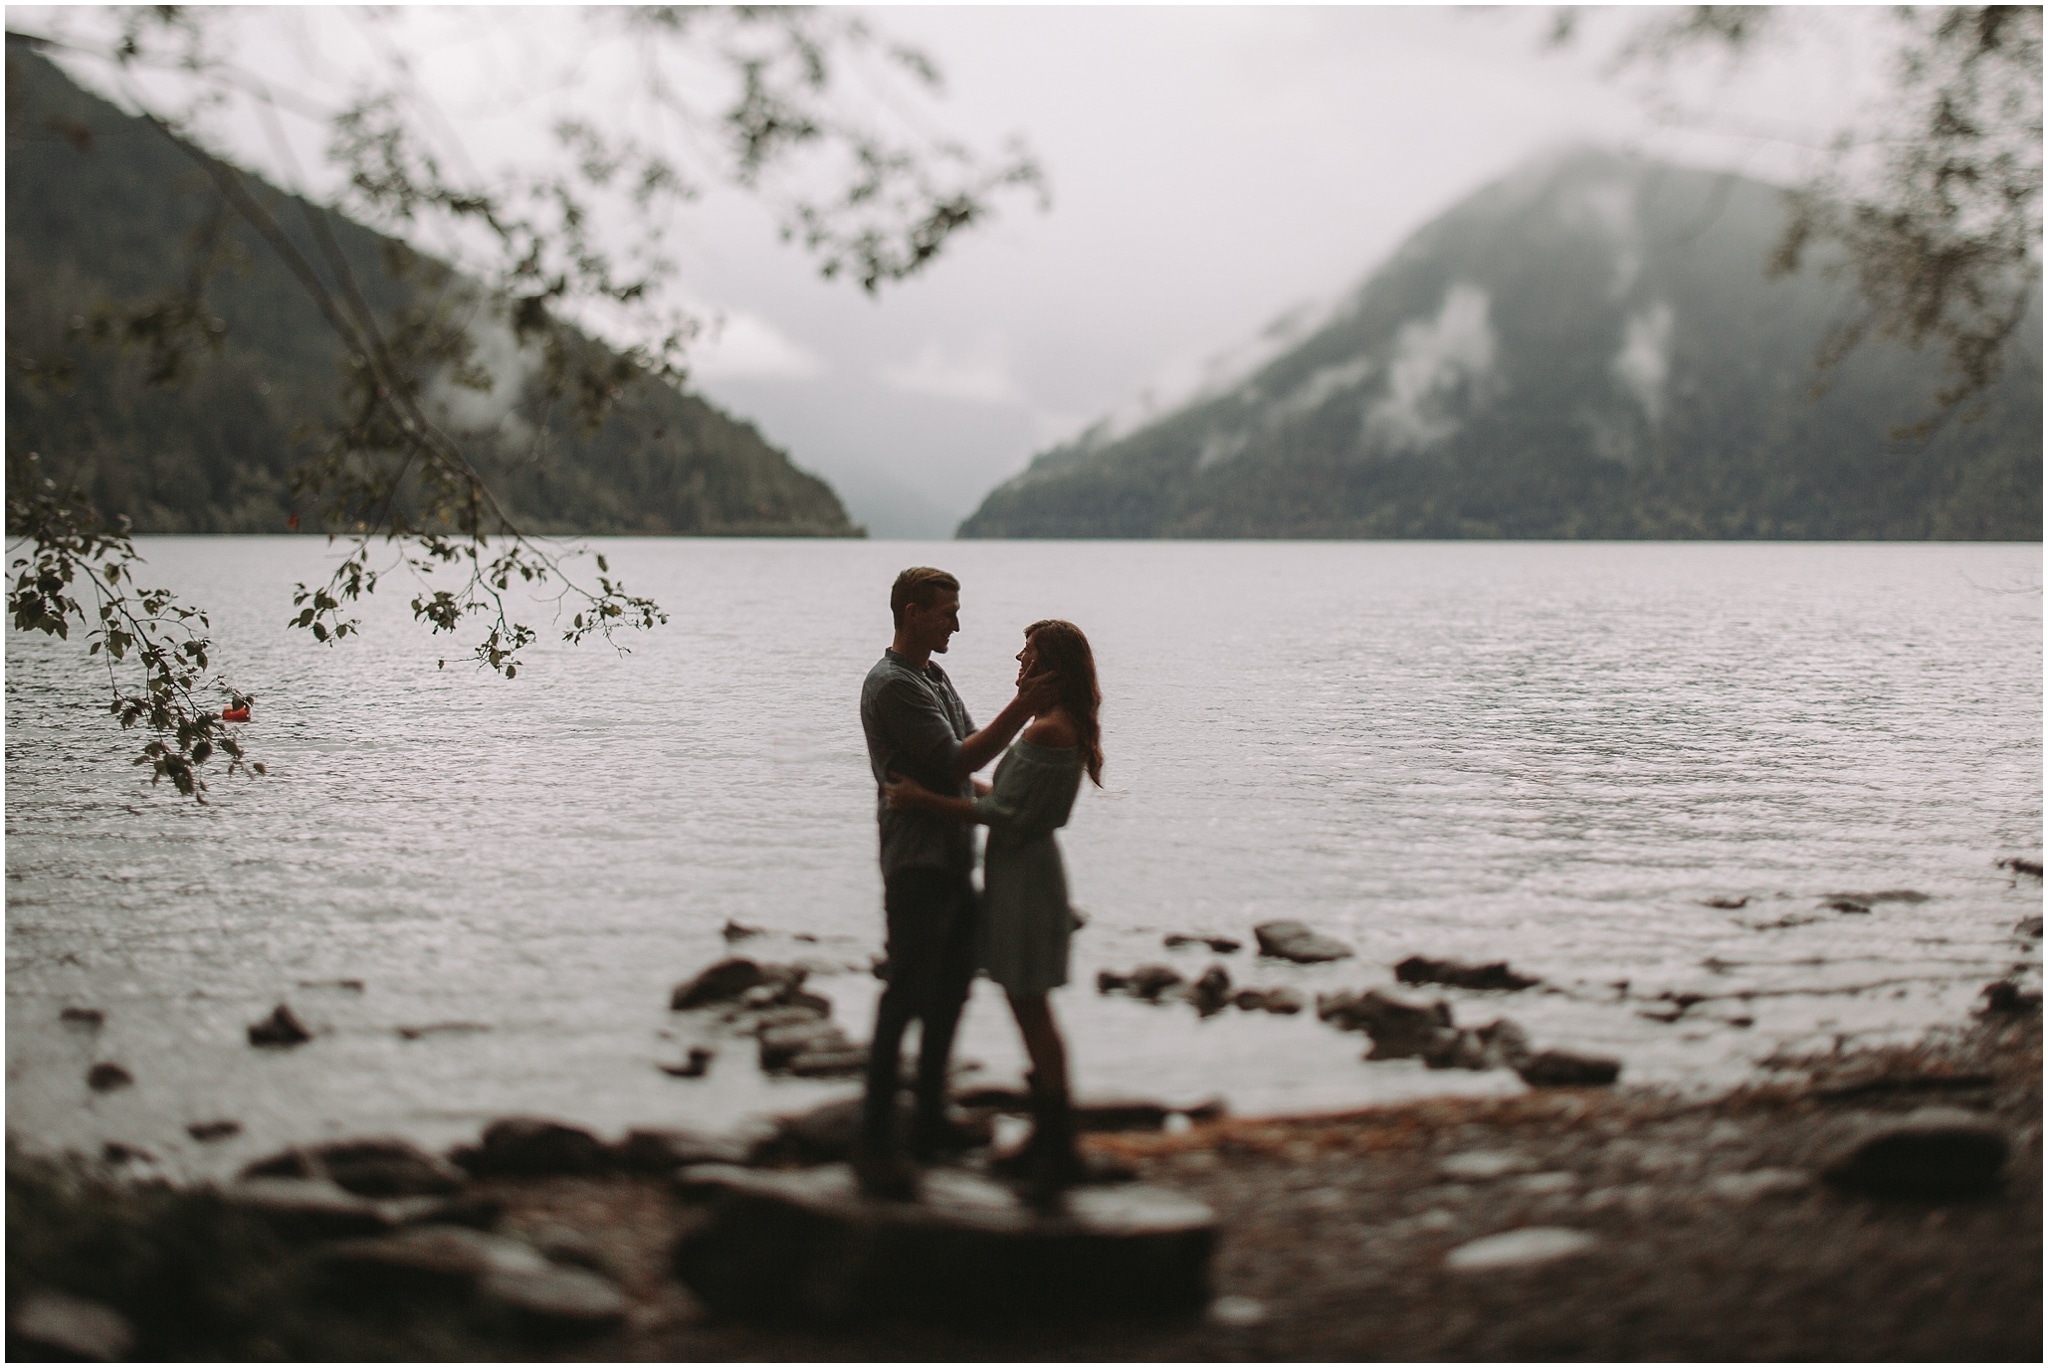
(444,1260)
(1400,1028)
(806,1247)
(1148,981)
(389,1168)
(1109,981)
(1458,974)
(2020,865)
(1933,1153)
(1563,1069)
(206,1132)
(307,1208)
(845,1061)
(1282,1001)
(1507,1044)
(1456,1050)
(1100,1115)
(2027,926)
(728,979)
(1249,999)
(2015,996)
(1211,993)
(780,1044)
(790,1014)
(279,1030)
(115,1152)
(695,1064)
(56,1325)
(1222,945)
(1291,940)
(735,931)
(464,1209)
(346,985)
(1725,904)
(107,1077)
(90,1017)
(1519,1249)
(442,1028)
(822,1135)
(525,1146)
(1839,903)
(554,1300)
(666,1150)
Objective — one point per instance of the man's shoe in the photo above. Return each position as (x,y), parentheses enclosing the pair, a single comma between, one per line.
(884,1175)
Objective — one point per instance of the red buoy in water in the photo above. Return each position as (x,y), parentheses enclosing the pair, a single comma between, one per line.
(240,714)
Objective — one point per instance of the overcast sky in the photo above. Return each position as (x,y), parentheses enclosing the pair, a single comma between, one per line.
(1210,170)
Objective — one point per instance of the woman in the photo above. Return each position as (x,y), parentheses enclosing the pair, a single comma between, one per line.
(1027,921)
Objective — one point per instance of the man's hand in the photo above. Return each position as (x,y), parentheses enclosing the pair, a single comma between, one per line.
(904,795)
(1040,693)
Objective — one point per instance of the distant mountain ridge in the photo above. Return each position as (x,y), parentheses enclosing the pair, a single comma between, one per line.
(100,207)
(1588,348)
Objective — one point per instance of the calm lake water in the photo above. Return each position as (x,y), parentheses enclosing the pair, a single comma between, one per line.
(1552,754)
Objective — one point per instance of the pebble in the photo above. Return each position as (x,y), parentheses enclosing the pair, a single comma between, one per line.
(205,1132)
(107,1077)
(1755,1183)
(1562,1069)
(1519,1248)
(1237,1313)
(68,1327)
(281,1029)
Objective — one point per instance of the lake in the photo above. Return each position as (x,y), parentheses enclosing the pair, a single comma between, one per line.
(1553,754)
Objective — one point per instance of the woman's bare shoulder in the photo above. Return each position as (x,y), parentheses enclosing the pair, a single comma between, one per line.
(1053,729)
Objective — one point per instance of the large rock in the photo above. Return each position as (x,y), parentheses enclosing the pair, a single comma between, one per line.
(781,1044)
(1458,974)
(49,1325)
(666,1150)
(525,1146)
(1933,1153)
(729,979)
(1291,940)
(1400,1028)
(805,1246)
(1563,1069)
(368,1168)
(307,1208)
(1211,993)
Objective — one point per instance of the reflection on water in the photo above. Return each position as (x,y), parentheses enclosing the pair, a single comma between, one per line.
(1553,754)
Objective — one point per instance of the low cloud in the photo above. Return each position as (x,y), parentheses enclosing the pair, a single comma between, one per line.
(1644,361)
(980,376)
(746,346)
(1435,359)
(483,395)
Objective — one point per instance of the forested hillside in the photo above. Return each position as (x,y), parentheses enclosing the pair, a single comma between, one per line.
(103,207)
(1589,348)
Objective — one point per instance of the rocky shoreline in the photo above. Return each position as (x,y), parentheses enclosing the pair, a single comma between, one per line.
(1568,1222)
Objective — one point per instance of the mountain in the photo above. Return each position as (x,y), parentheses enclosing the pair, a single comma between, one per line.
(1589,348)
(102,207)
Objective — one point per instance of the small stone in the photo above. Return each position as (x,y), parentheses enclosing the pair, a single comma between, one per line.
(307,1208)
(695,1064)
(1237,1313)
(1726,904)
(533,1147)
(1474,1166)
(281,1029)
(2011,996)
(114,1152)
(1851,905)
(845,1062)
(107,1077)
(1292,940)
(1458,974)
(91,1017)
(2020,865)
(205,1132)
(1755,1183)
(1936,1152)
(1519,1248)
(1249,999)
(1282,1001)
(665,1151)
(442,1028)
(56,1325)
(2028,926)
(1562,1069)
(1211,993)
(554,1299)
(1148,981)
(735,931)
(784,1043)
(388,1168)
(1109,981)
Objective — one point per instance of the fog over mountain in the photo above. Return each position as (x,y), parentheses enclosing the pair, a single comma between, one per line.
(1589,347)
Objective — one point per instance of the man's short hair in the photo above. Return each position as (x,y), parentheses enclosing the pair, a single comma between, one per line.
(921,585)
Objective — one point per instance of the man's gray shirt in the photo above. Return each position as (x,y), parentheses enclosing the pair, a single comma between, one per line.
(914,724)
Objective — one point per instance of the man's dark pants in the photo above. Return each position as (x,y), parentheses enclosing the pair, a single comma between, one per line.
(933,917)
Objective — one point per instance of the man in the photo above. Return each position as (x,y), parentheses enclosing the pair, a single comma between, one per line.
(916,726)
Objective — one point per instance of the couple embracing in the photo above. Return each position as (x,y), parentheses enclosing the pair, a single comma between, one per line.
(924,751)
